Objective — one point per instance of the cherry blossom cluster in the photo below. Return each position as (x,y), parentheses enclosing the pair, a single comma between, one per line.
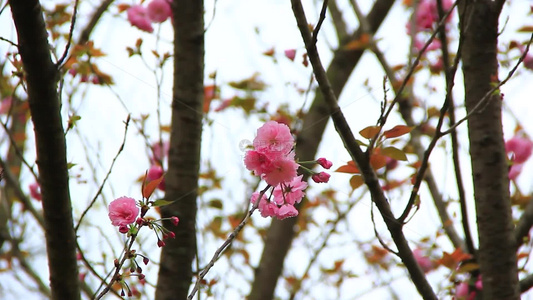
(157,11)
(519,148)
(426,20)
(272,159)
(124,213)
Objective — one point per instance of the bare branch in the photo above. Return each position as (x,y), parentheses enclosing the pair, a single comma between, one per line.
(226,244)
(121,148)
(360,158)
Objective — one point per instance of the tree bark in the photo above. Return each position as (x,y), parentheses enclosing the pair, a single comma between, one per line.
(175,271)
(497,256)
(41,77)
(281,233)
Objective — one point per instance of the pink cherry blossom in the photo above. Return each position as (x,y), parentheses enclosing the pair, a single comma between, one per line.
(427,13)
(423,261)
(225,104)
(284,170)
(159,11)
(155,172)
(286,211)
(326,164)
(160,151)
(123,211)
(515,170)
(479,283)
(520,148)
(463,292)
(274,139)
(268,209)
(290,54)
(35,191)
(320,177)
(258,162)
(138,17)
(255,195)
(290,192)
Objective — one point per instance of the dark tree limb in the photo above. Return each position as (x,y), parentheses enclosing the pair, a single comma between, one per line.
(524,225)
(86,32)
(497,247)
(281,233)
(41,78)
(175,273)
(361,159)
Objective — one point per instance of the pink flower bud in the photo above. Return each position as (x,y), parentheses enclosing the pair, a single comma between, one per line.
(146,260)
(35,191)
(160,243)
(174,220)
(321,177)
(171,235)
(290,54)
(123,229)
(326,164)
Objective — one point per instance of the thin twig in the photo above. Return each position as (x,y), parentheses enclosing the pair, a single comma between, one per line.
(86,32)
(443,111)
(226,244)
(126,124)
(15,251)
(321,19)
(8,41)
(340,216)
(14,183)
(18,151)
(415,64)
(450,76)
(69,41)
(486,97)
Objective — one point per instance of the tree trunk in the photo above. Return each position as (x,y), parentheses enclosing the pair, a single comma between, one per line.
(41,76)
(175,271)
(497,257)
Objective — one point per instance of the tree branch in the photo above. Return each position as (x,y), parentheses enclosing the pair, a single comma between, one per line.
(41,77)
(281,232)
(361,158)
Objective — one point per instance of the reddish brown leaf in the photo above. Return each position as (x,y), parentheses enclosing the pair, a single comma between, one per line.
(378,161)
(397,131)
(370,132)
(361,43)
(356,181)
(452,260)
(149,188)
(527,28)
(349,168)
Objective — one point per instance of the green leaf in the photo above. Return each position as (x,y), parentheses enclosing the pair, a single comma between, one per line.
(216,203)
(161,202)
(395,153)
